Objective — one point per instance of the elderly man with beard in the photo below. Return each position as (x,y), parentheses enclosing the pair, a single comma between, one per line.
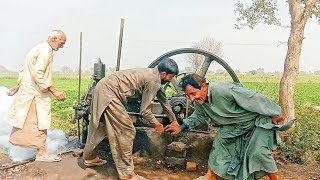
(248,129)
(110,119)
(30,112)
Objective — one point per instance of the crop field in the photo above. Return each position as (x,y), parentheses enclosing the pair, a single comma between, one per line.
(304,138)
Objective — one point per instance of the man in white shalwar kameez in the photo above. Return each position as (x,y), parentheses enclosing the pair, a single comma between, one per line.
(30,112)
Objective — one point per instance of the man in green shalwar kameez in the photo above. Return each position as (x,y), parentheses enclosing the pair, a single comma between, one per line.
(248,130)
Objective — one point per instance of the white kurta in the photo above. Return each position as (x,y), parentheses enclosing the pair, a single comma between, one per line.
(35,79)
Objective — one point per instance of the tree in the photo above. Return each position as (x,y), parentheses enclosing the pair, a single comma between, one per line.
(3,69)
(260,71)
(208,44)
(264,11)
(252,72)
(66,70)
(221,72)
(237,72)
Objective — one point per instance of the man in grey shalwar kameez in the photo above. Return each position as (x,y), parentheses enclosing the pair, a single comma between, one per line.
(248,129)
(110,119)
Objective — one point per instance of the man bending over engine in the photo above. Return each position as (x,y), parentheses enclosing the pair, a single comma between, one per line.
(110,119)
(248,129)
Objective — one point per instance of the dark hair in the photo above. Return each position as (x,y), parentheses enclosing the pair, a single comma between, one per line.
(193,80)
(169,66)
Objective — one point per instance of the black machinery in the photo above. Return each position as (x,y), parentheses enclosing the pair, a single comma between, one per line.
(180,104)
(82,109)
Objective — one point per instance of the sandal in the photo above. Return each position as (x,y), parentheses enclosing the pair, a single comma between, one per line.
(100,162)
(48,158)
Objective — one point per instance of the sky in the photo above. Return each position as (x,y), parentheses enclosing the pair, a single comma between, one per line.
(152,28)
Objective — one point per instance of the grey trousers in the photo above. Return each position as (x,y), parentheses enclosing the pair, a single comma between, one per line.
(117,126)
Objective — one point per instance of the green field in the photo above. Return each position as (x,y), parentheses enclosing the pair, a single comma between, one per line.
(299,143)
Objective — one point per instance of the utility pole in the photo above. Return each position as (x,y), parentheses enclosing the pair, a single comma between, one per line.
(120,44)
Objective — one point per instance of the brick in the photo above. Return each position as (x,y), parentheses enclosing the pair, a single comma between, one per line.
(177,146)
(191,166)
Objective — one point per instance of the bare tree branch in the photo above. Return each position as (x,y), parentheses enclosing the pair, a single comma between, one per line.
(309,6)
(208,44)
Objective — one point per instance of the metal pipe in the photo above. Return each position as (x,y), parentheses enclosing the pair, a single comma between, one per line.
(155,115)
(120,44)
(80,59)
(79,87)
(187,108)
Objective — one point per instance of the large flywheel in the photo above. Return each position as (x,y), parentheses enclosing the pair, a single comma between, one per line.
(209,58)
(180,104)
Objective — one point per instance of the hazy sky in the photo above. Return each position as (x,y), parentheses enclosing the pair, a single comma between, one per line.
(152,27)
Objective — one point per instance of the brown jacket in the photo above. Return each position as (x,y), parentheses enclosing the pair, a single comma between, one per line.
(142,83)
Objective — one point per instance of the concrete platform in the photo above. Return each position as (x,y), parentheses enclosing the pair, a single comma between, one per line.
(198,144)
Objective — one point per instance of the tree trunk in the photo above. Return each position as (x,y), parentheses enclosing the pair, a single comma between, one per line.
(291,65)
(290,73)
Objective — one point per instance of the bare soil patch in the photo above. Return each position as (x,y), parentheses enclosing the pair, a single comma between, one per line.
(72,168)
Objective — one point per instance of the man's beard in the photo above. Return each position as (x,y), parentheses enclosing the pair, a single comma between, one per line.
(163,81)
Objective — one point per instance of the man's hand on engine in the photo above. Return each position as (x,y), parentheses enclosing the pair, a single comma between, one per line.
(174,127)
(159,128)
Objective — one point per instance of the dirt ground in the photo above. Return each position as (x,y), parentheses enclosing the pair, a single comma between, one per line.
(71,168)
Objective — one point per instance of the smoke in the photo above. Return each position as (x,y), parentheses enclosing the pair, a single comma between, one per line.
(56,140)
